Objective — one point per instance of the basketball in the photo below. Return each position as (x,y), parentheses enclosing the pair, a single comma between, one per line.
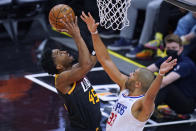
(58,12)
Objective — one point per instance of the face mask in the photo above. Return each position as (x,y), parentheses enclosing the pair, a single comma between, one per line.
(172,53)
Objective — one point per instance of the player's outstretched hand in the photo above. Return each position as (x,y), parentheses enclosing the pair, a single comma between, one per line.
(89,20)
(167,65)
(71,27)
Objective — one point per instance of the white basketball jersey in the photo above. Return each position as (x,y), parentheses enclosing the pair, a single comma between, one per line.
(121,118)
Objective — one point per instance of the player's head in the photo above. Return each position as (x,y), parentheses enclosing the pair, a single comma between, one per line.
(55,61)
(173,45)
(141,80)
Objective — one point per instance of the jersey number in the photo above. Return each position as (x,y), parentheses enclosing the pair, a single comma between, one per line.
(111,119)
(93,96)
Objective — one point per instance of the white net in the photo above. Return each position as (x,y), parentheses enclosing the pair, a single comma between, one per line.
(113,13)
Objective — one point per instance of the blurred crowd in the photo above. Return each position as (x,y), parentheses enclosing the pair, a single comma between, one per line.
(161,19)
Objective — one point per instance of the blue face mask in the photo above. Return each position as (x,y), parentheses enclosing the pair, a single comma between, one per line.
(172,53)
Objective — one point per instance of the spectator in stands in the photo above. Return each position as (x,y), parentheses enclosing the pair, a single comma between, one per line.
(185,29)
(189,40)
(165,11)
(168,15)
(186,24)
(179,85)
(166,21)
(190,36)
(126,34)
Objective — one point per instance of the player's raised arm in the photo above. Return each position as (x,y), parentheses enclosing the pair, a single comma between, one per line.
(148,100)
(101,52)
(85,61)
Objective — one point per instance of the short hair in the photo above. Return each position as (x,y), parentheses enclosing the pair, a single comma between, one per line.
(146,78)
(47,62)
(173,38)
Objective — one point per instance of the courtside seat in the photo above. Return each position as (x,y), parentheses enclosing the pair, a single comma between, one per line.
(5,9)
(22,11)
(34,10)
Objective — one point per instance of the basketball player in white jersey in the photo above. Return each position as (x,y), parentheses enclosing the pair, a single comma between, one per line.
(138,91)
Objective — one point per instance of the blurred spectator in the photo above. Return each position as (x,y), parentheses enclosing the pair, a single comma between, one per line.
(168,15)
(167,19)
(188,37)
(188,41)
(186,24)
(185,29)
(126,34)
(179,85)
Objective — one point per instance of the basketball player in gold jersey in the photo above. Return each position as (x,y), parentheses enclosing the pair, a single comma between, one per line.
(138,91)
(81,101)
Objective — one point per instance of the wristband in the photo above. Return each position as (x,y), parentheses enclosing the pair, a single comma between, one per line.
(93,33)
(161,74)
(182,38)
(93,53)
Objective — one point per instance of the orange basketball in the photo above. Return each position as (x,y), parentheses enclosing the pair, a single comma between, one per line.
(57,13)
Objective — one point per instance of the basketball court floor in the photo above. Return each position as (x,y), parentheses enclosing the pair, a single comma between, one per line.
(28,99)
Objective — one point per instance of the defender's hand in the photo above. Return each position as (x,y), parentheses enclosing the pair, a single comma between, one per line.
(167,65)
(89,20)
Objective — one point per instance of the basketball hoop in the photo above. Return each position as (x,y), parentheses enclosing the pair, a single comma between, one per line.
(113,13)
